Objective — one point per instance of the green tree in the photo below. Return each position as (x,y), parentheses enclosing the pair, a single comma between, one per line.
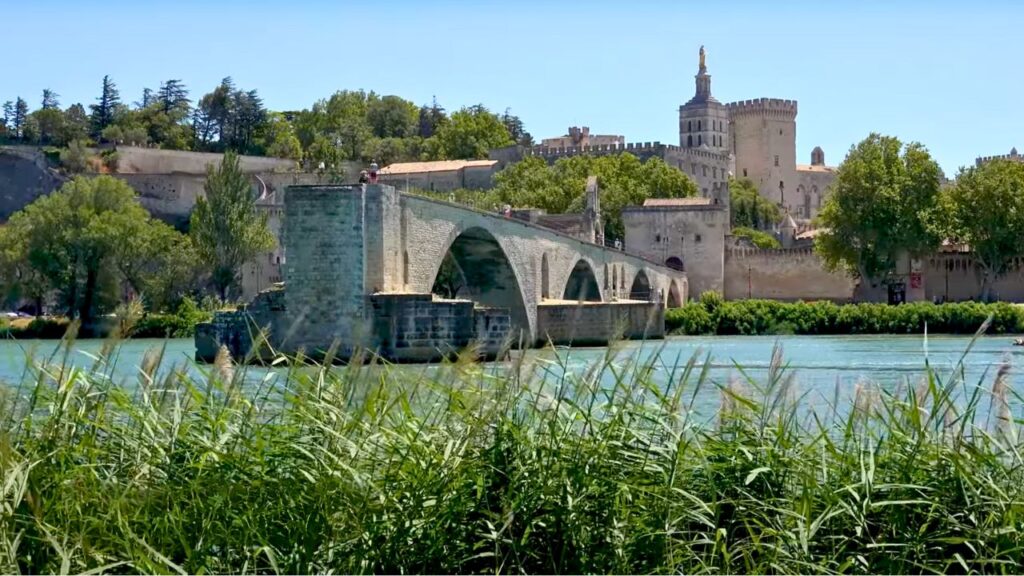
(75,125)
(7,123)
(50,99)
(392,117)
(20,118)
(472,133)
(157,262)
(103,112)
(71,239)
(173,99)
(515,128)
(49,125)
(985,210)
(431,119)
(226,227)
(883,204)
(623,179)
(748,209)
(75,158)
(277,138)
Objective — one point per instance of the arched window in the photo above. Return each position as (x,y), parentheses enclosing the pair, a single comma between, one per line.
(675,263)
(698,126)
(817,196)
(689,140)
(689,125)
(698,140)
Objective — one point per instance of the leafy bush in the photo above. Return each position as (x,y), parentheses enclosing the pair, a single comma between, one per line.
(75,159)
(712,315)
(757,237)
(181,324)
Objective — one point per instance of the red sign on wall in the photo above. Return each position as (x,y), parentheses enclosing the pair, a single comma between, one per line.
(915,280)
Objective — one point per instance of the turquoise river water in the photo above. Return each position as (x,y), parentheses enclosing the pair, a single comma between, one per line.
(818,362)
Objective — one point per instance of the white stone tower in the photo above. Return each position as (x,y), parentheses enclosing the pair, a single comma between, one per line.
(763,133)
(704,121)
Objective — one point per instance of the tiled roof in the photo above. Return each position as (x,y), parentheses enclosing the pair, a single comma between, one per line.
(810,234)
(813,168)
(698,201)
(438,166)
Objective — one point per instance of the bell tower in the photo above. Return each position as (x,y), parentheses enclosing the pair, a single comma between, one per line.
(703,121)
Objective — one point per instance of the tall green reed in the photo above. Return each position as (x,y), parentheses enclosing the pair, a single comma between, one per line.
(525,466)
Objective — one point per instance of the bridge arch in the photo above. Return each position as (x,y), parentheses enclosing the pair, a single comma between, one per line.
(477,267)
(641,287)
(673,299)
(582,283)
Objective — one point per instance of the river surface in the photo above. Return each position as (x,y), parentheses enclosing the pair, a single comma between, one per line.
(817,362)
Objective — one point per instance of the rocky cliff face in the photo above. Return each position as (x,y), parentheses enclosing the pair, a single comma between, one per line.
(24,176)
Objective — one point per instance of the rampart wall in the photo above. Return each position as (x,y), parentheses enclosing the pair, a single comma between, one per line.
(135,160)
(782,275)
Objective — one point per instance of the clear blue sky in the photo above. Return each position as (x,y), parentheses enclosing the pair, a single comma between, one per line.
(944,73)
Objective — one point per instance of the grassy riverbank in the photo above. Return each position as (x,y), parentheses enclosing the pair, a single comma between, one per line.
(179,324)
(713,315)
(470,468)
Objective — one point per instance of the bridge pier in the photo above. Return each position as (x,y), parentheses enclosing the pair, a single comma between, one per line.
(362,263)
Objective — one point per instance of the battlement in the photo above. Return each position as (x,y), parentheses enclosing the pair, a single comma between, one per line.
(641,149)
(763,106)
(1013,155)
(780,253)
(699,153)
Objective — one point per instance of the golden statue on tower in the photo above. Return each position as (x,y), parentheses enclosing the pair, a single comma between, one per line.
(702,67)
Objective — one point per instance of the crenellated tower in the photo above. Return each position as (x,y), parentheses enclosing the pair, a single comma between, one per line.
(763,134)
(704,121)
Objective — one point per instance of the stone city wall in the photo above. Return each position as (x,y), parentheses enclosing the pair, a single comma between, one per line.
(786,275)
(956,277)
(135,160)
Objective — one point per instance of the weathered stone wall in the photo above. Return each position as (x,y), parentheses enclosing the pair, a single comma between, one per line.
(812,184)
(135,160)
(695,235)
(325,269)
(782,275)
(429,228)
(761,131)
(955,277)
(238,329)
(587,323)
(417,328)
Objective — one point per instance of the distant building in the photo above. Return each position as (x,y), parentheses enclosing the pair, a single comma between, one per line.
(754,139)
(1013,155)
(578,137)
(441,175)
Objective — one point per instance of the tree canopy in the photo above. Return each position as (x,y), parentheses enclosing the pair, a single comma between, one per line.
(884,202)
(82,242)
(624,181)
(985,210)
(226,227)
(748,209)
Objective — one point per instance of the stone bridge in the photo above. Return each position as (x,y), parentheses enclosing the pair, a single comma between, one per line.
(362,263)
